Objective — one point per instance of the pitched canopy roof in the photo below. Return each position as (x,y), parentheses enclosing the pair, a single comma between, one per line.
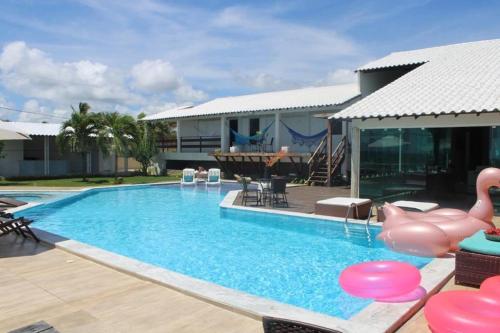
(45,129)
(460,78)
(271,101)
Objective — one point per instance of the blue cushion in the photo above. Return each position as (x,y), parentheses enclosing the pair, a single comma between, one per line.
(188,178)
(213,179)
(479,244)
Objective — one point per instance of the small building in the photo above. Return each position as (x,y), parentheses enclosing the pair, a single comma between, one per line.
(41,157)
(427,123)
(243,132)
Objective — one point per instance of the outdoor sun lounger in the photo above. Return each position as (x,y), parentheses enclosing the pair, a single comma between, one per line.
(355,208)
(4,201)
(278,325)
(188,177)
(408,205)
(213,177)
(19,226)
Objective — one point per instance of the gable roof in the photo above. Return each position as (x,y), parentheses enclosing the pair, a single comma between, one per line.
(271,101)
(460,78)
(45,129)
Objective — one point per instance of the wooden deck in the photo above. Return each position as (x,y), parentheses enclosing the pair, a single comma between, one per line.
(255,162)
(302,198)
(77,295)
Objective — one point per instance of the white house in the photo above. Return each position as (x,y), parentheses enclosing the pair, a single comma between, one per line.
(40,156)
(427,123)
(291,118)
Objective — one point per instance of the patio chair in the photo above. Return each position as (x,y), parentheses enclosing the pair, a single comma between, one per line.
(9,202)
(188,177)
(19,226)
(213,177)
(278,325)
(248,194)
(270,145)
(278,191)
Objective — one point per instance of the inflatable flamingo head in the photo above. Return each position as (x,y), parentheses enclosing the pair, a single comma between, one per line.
(489,177)
(483,208)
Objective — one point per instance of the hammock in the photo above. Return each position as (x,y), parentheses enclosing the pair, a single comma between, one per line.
(245,140)
(307,140)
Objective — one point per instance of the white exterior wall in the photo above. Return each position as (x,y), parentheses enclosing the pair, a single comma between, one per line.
(13,152)
(200,127)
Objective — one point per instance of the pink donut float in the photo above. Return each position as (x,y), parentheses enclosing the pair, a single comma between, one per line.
(381,280)
(466,311)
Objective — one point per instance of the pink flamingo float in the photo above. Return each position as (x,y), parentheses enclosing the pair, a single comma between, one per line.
(437,232)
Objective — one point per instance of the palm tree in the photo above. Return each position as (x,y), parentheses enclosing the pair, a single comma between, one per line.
(78,134)
(145,147)
(117,135)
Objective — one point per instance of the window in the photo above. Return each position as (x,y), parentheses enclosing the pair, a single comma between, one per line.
(254,126)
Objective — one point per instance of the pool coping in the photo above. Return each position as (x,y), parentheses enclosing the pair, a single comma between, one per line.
(376,317)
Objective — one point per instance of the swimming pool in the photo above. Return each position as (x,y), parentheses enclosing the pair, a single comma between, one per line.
(292,260)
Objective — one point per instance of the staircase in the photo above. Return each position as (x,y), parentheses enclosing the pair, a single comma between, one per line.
(318,163)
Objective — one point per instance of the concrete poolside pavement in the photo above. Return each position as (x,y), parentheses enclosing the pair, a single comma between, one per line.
(73,294)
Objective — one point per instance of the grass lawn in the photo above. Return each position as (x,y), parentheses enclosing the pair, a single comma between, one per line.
(92,181)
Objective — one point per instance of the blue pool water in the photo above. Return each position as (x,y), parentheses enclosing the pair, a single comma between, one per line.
(288,259)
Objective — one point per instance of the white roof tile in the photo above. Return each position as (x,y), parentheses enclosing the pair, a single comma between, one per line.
(461,78)
(271,101)
(46,129)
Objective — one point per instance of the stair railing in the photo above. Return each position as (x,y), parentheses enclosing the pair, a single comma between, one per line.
(316,158)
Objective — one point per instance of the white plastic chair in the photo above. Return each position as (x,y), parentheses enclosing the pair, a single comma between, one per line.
(213,177)
(188,177)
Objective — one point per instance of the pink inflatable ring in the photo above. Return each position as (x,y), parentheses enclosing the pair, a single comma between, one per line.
(380,279)
(466,311)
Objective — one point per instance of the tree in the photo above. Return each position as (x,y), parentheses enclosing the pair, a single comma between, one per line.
(118,135)
(79,133)
(145,147)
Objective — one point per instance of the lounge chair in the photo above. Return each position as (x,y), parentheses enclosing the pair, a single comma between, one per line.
(188,177)
(278,325)
(9,202)
(19,226)
(415,206)
(213,177)
(355,208)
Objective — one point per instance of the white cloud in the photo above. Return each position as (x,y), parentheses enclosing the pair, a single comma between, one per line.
(31,73)
(264,82)
(35,112)
(157,76)
(339,76)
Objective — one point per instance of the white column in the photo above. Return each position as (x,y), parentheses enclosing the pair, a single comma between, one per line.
(46,155)
(355,160)
(178,134)
(277,125)
(223,134)
(125,164)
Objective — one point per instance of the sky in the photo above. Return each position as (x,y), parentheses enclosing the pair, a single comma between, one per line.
(148,56)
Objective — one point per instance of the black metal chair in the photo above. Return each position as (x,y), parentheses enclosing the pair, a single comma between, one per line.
(277,325)
(270,145)
(278,191)
(249,194)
